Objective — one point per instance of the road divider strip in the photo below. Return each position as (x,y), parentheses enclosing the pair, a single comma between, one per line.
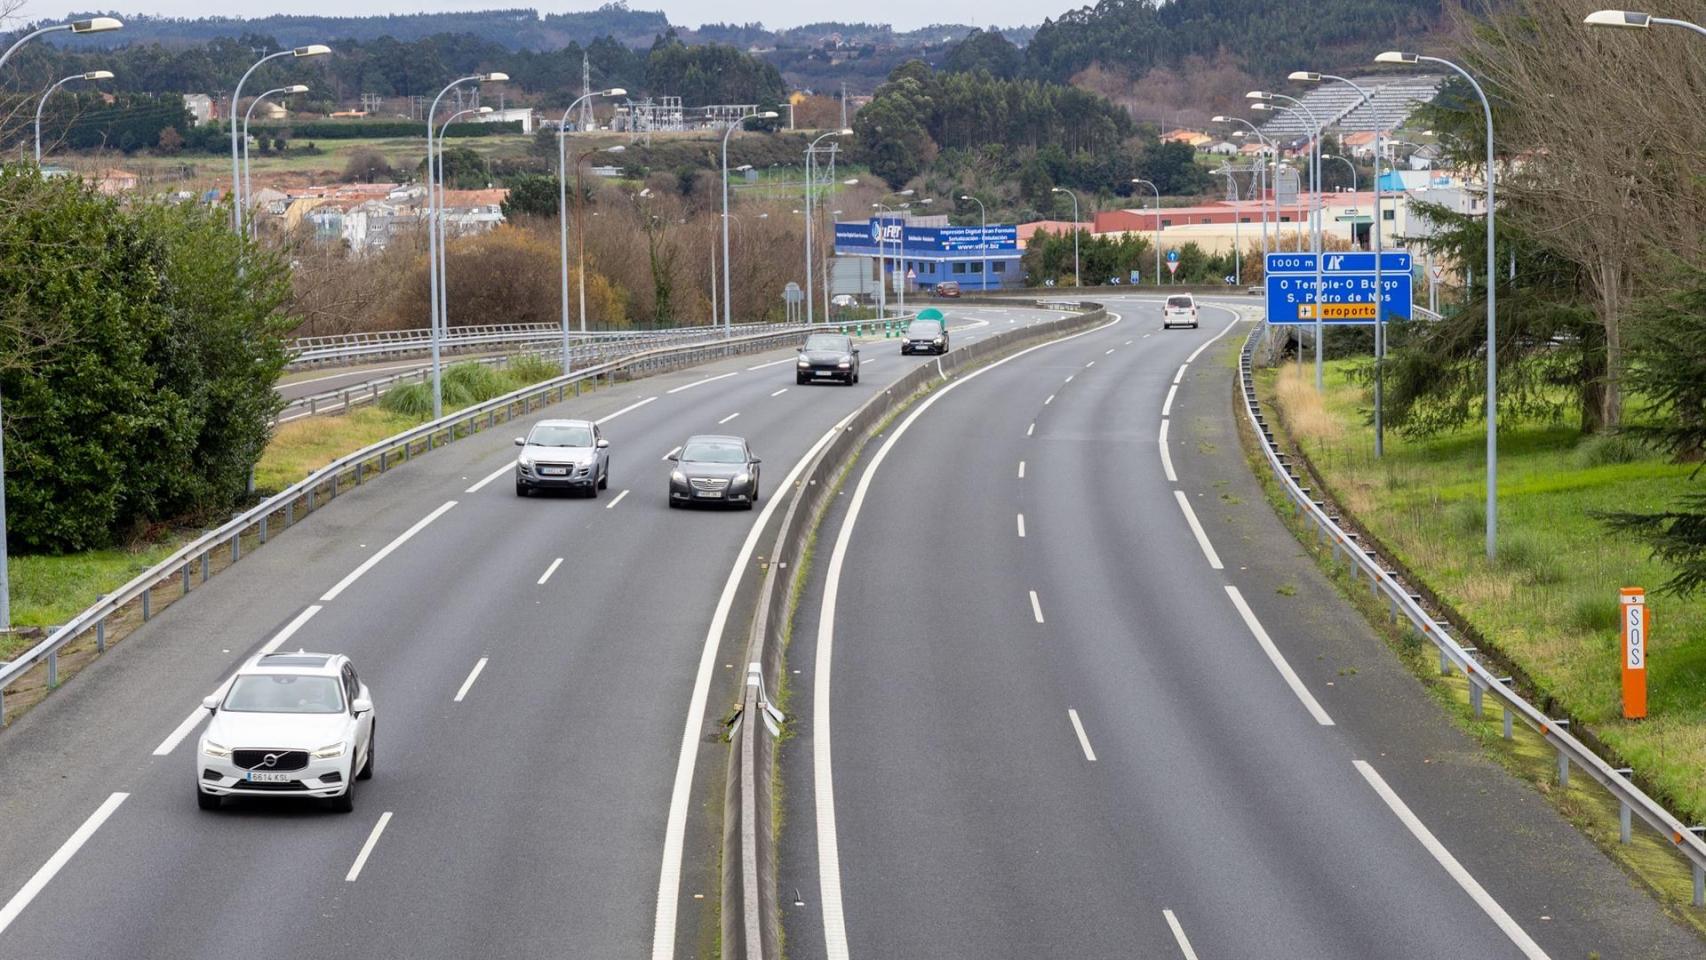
(367,848)
(468,684)
(1277,658)
(1179,937)
(1083,738)
(1197,530)
(550,570)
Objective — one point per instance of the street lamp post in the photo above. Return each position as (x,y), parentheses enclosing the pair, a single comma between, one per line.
(1265,100)
(311,50)
(811,176)
(1151,185)
(91,75)
(882,244)
(432,236)
(982,235)
(1077,278)
(1379,279)
(905,206)
(1237,251)
(1349,165)
(443,306)
(96,25)
(1394,56)
(247,193)
(728,287)
(1262,175)
(1635,19)
(563,212)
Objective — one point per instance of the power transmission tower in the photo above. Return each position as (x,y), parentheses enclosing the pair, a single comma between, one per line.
(586,94)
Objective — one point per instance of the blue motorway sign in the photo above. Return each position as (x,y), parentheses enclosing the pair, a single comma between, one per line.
(1347,291)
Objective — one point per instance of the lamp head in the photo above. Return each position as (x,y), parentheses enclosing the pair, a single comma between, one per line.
(906,193)
(1261,96)
(96,25)
(744,166)
(1618,18)
(1262,107)
(617,149)
(98,75)
(614,92)
(484,110)
(766,115)
(844,132)
(1217,118)
(851,182)
(493,77)
(295,88)
(1304,76)
(1396,56)
(312,50)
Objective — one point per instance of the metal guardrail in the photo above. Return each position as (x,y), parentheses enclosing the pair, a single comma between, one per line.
(349,347)
(1454,656)
(751,917)
(224,545)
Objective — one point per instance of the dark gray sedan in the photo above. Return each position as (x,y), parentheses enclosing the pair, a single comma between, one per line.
(925,336)
(828,357)
(714,469)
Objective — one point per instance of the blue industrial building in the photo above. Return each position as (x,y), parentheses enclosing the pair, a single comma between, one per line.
(932,251)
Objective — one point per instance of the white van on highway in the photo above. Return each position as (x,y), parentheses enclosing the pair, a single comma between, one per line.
(1180,311)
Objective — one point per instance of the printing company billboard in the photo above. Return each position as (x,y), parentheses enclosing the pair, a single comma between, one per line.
(861,238)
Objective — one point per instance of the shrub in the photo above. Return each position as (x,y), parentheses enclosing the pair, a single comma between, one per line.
(1610,449)
(410,400)
(529,368)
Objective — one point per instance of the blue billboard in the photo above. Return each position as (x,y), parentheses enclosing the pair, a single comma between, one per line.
(860,239)
(1347,292)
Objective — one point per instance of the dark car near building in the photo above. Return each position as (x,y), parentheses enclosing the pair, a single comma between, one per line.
(827,357)
(925,336)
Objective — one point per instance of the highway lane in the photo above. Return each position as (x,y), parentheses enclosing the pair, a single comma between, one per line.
(539,798)
(1062,722)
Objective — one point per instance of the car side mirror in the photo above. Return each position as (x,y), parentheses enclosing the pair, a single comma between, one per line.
(757,460)
(673,458)
(360,706)
(603,443)
(855,351)
(521,441)
(210,704)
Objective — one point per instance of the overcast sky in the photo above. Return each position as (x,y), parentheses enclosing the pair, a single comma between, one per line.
(901,14)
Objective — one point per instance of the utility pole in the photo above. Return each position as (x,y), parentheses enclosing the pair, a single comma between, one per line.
(585,122)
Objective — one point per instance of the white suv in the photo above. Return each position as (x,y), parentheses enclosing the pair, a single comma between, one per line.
(1180,311)
(289,724)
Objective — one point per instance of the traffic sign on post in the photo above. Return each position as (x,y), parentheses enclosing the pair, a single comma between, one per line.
(1632,603)
(1347,287)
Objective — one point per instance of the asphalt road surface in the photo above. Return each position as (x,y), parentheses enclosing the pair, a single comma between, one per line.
(531,793)
(1050,701)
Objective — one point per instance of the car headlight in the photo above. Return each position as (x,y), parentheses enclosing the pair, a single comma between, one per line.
(215,750)
(330,751)
(678,476)
(845,364)
(804,362)
(524,463)
(939,341)
(742,479)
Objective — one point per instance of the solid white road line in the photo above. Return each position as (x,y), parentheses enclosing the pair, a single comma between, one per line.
(773,363)
(1277,658)
(1083,740)
(780,392)
(727,419)
(1196,528)
(1166,457)
(384,552)
(618,499)
(1022,527)
(672,452)
(1021,469)
(1476,892)
(1181,374)
(1036,607)
(550,570)
(697,383)
(1195,353)
(57,862)
(1179,935)
(491,476)
(473,675)
(1167,407)
(367,848)
(823,780)
(199,713)
(632,406)
(1049,400)
(675,826)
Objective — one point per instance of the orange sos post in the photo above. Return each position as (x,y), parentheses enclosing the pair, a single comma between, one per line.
(1632,603)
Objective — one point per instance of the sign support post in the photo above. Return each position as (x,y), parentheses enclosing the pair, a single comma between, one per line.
(1632,603)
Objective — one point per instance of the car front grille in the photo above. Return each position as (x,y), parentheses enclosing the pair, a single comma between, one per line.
(282,759)
(290,786)
(715,483)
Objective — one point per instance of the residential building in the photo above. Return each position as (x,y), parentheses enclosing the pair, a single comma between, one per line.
(200,106)
(508,115)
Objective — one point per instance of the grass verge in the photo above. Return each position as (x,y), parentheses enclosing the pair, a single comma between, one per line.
(1547,606)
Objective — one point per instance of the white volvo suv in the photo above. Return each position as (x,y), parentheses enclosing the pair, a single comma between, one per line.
(288,725)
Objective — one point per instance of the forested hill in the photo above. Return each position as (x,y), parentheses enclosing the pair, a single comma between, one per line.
(1267,38)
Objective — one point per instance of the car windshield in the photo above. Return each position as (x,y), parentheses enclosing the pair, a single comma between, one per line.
(923,329)
(560,435)
(714,451)
(285,693)
(828,342)
(1178,301)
